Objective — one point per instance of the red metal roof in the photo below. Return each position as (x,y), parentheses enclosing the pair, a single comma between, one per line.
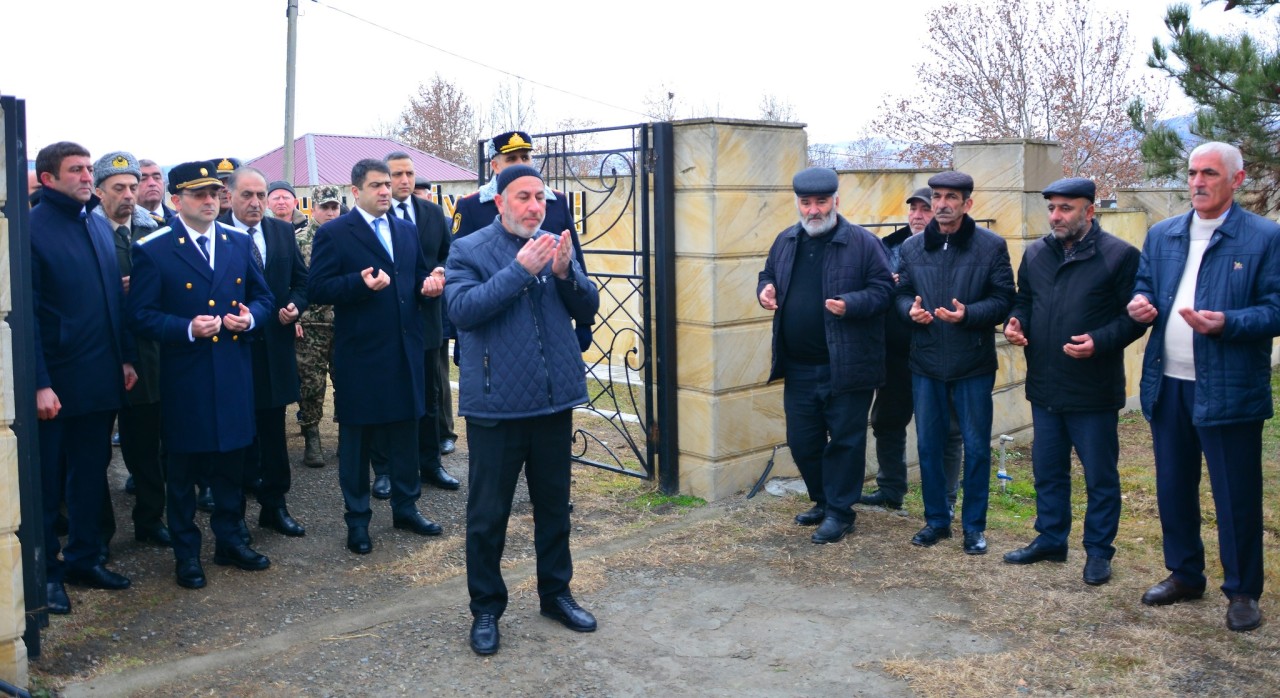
(320,158)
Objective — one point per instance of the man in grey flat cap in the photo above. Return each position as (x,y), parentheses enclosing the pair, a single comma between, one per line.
(117,178)
(892,409)
(956,285)
(1070,318)
(829,283)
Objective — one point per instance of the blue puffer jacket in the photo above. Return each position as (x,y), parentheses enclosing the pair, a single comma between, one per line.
(1239,276)
(520,357)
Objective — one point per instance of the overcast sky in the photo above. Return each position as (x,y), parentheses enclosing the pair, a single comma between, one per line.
(176,80)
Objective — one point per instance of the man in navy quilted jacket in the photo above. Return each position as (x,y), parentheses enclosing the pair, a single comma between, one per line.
(514,291)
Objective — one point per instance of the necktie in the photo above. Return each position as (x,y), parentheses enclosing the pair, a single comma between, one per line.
(404,211)
(377,230)
(123,232)
(203,242)
(253,245)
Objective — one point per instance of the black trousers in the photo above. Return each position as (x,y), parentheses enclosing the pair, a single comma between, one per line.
(355,442)
(223,471)
(268,458)
(428,427)
(444,395)
(140,447)
(498,450)
(74,454)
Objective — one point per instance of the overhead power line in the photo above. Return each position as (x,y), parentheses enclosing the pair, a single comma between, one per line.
(473,61)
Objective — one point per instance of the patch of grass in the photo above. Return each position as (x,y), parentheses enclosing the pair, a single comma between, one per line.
(657,500)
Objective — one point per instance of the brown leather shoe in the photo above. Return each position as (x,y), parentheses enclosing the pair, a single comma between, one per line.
(1171,590)
(1243,614)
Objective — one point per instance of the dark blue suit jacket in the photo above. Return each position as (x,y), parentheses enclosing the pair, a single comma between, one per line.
(377,335)
(78,299)
(275,363)
(206,385)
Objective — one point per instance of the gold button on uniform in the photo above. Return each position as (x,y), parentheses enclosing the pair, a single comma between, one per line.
(234,304)
(215,338)
(238,279)
(188,285)
(210,303)
(235,337)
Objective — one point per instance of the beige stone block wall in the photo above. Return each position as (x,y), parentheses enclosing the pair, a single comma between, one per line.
(1009,164)
(13,653)
(732,197)
(879,196)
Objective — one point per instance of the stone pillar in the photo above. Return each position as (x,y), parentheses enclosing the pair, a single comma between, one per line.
(13,652)
(732,197)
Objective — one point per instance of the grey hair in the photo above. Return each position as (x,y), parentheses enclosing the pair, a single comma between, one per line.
(1231,157)
(143,162)
(233,181)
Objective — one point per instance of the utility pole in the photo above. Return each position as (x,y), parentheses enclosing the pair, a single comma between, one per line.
(291,57)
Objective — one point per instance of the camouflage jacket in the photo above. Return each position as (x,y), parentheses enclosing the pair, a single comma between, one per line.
(315,314)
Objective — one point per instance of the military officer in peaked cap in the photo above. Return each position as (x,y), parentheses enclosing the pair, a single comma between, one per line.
(224,167)
(196,290)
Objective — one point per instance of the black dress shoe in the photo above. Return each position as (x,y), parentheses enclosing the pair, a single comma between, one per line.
(56,601)
(204,500)
(572,616)
(813,516)
(975,543)
(156,533)
(880,499)
(1171,590)
(417,523)
(189,573)
(129,486)
(278,520)
(441,478)
(358,540)
(382,487)
(241,556)
(245,535)
(1097,570)
(929,536)
(97,577)
(1243,614)
(1035,552)
(447,446)
(484,634)
(831,530)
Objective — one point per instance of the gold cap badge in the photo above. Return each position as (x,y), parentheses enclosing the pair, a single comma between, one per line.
(225,166)
(120,162)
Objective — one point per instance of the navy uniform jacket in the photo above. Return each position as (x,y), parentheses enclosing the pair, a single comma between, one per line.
(377,335)
(80,346)
(206,385)
(275,371)
(433,237)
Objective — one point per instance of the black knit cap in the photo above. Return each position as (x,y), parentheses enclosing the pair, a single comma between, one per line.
(1073,188)
(511,174)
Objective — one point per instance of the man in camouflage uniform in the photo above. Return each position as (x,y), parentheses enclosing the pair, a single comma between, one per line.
(315,343)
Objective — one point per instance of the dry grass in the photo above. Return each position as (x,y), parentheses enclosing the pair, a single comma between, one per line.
(1061,636)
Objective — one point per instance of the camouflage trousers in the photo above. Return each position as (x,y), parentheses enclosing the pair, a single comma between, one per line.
(315,368)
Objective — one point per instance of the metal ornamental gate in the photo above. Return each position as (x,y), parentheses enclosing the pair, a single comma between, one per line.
(619,184)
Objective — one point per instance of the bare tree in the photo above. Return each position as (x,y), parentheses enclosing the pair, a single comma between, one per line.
(563,151)
(866,152)
(661,103)
(775,108)
(513,108)
(440,120)
(1049,69)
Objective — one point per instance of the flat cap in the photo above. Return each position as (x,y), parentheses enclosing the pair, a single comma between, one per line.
(281,184)
(1072,187)
(952,180)
(511,174)
(420,182)
(115,163)
(325,194)
(192,175)
(815,181)
(924,194)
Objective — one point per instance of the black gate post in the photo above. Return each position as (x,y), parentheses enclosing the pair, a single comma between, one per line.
(664,310)
(21,319)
